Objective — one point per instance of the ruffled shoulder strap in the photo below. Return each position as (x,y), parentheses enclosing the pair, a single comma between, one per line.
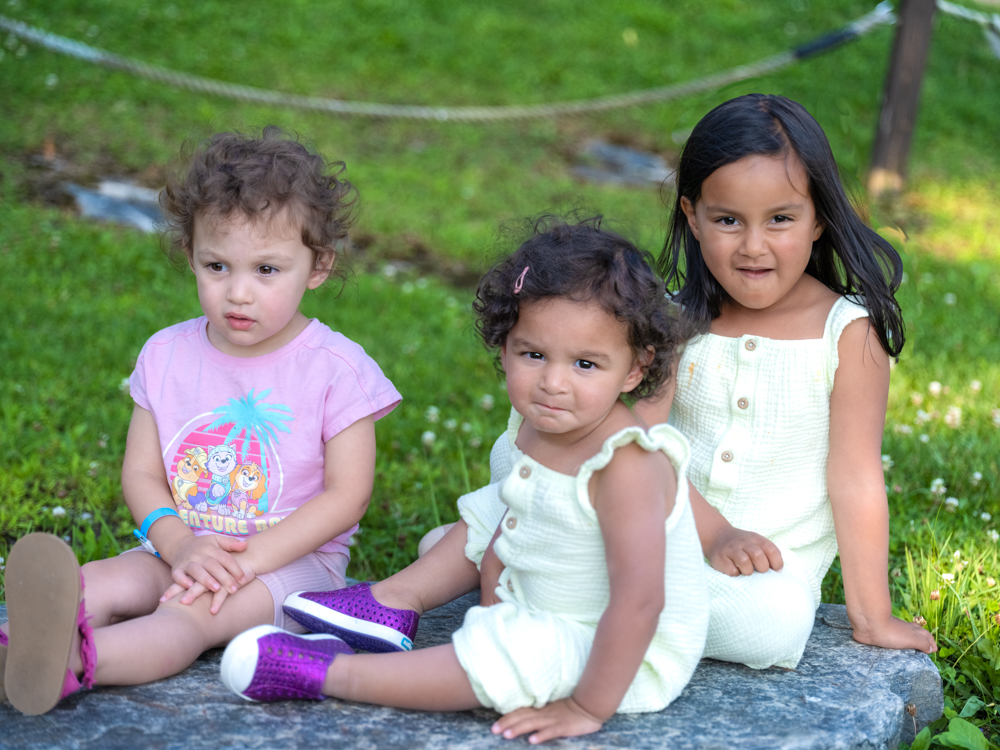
(845,310)
(661,437)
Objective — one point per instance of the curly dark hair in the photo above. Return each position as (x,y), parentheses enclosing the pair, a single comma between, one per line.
(260,177)
(584,262)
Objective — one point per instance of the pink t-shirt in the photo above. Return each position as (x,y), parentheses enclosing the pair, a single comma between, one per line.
(243,438)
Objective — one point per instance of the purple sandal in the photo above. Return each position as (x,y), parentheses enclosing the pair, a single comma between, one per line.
(354,615)
(267,663)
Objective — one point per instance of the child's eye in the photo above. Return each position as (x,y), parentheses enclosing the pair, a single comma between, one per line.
(726,221)
(534,355)
(217,267)
(585,364)
(267,270)
(781,218)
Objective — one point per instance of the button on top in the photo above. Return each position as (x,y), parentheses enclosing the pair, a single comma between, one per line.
(525,472)
(727,456)
(510,586)
(511,523)
(743,403)
(751,344)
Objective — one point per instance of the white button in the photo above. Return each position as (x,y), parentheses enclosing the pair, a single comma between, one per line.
(727,456)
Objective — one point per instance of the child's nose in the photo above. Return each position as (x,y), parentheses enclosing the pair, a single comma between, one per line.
(553,379)
(239,291)
(753,243)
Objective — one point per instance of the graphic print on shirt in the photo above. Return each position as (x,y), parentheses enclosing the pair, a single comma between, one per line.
(225,470)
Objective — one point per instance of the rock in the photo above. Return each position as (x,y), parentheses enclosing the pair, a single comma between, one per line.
(843,695)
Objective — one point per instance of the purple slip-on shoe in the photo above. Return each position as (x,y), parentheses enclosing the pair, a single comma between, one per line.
(354,615)
(267,663)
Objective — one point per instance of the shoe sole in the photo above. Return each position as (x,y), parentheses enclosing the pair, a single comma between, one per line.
(356,633)
(43,602)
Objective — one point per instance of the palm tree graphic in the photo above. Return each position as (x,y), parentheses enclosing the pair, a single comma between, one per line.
(250,418)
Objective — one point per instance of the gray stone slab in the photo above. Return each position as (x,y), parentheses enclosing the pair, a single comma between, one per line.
(842,695)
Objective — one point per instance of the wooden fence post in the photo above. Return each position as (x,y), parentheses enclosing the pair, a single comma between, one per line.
(902,96)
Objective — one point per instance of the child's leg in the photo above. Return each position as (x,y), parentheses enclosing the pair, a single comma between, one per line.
(428,679)
(440,576)
(167,641)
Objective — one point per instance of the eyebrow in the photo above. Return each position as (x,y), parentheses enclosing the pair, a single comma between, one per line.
(776,209)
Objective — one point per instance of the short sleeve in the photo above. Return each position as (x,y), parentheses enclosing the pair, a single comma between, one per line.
(357,388)
(137,382)
(481,510)
(845,311)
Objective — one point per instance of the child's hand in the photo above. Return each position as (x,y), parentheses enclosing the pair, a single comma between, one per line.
(206,560)
(896,633)
(737,552)
(562,718)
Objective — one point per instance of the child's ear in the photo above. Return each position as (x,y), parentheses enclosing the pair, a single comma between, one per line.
(818,230)
(638,371)
(688,208)
(322,269)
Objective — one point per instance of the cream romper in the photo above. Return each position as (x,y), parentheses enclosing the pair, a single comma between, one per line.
(531,648)
(757,413)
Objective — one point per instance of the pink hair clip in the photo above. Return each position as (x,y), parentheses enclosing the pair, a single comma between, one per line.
(520,280)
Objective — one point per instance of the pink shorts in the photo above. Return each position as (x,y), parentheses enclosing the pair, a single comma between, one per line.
(316,571)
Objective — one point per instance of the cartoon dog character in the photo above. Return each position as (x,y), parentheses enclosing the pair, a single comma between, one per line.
(185,484)
(249,483)
(221,463)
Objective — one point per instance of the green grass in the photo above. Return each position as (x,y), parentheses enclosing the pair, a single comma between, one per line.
(81,298)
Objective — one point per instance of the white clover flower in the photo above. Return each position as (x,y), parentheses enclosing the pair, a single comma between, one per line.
(985,516)
(977,477)
(486,402)
(916,399)
(93,464)
(975,386)
(950,504)
(123,386)
(992,534)
(475,442)
(450,425)
(990,582)
(86,516)
(996,417)
(953,417)
(59,511)
(389,270)
(957,554)
(432,414)
(903,429)
(950,299)
(924,438)
(428,438)
(1,561)
(937,486)
(934,388)
(922,417)
(407,288)
(51,80)
(422,283)
(926,278)
(949,577)
(466,427)
(887,463)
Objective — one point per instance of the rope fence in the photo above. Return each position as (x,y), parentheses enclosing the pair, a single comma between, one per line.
(880,16)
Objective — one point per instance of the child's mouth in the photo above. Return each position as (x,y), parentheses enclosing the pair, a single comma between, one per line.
(239,322)
(754,273)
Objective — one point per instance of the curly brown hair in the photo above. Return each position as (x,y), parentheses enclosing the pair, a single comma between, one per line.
(584,262)
(260,177)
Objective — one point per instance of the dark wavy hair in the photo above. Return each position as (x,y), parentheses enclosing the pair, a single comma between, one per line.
(849,257)
(584,262)
(260,177)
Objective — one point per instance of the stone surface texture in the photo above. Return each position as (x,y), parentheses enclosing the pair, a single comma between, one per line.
(843,695)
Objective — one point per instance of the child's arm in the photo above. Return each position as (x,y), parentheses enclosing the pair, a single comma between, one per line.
(633,496)
(729,550)
(349,474)
(490,569)
(204,561)
(856,485)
